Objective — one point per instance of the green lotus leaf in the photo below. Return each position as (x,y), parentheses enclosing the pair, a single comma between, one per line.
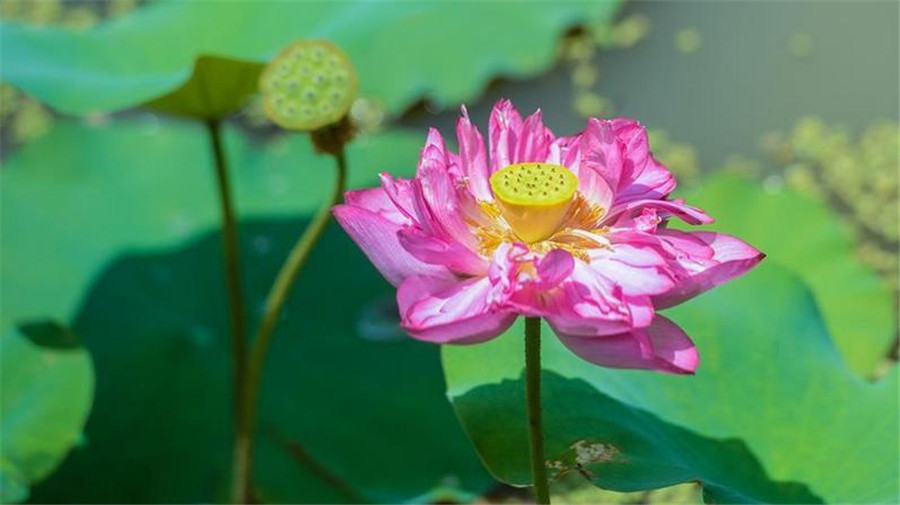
(400,49)
(48,385)
(803,235)
(122,254)
(74,199)
(216,88)
(773,414)
(163,365)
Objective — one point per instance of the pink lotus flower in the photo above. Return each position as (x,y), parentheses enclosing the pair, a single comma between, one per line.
(570,229)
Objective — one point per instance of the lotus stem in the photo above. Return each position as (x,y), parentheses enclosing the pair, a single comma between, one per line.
(274,304)
(533,403)
(231,257)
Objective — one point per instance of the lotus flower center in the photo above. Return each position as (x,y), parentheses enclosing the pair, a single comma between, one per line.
(534,197)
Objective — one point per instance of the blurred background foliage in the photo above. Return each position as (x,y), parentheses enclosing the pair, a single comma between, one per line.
(95,204)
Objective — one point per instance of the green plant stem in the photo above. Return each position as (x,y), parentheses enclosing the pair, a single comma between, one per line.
(274,304)
(533,402)
(231,256)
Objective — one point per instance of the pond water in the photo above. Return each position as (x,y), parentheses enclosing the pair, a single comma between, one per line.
(758,67)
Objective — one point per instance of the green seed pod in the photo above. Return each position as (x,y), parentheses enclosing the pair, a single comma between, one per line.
(309,85)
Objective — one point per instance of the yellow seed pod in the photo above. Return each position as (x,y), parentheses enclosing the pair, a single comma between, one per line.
(309,85)
(534,197)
